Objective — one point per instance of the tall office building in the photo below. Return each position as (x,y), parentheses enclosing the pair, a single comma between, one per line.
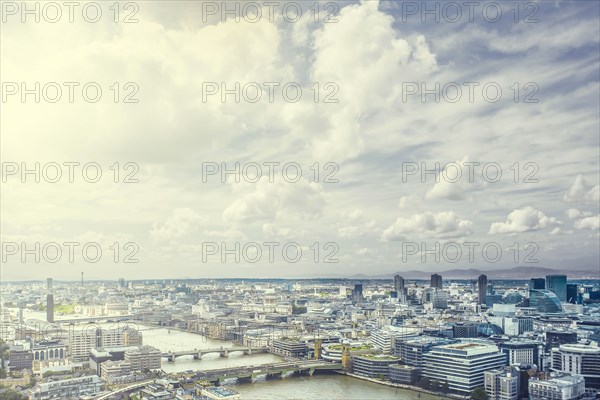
(462,365)
(49,301)
(558,285)
(537,283)
(482,286)
(357,293)
(398,283)
(436,281)
(572,293)
(50,307)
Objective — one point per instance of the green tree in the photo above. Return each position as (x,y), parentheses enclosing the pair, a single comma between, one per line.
(479,393)
(11,395)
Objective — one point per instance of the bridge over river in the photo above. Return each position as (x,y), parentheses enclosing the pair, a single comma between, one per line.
(270,371)
(223,352)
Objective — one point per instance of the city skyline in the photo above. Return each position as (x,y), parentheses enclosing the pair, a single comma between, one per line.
(367,195)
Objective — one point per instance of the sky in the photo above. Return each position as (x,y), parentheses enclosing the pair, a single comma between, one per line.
(389,136)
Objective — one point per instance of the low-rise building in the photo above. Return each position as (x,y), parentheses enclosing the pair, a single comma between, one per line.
(111,370)
(144,357)
(68,388)
(502,383)
(289,347)
(373,366)
(404,374)
(562,388)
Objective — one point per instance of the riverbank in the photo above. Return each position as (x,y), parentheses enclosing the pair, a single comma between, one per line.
(405,387)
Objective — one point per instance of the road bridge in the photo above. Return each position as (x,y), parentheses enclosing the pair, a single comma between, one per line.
(270,371)
(223,352)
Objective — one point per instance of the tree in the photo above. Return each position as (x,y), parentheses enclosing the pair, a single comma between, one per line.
(479,393)
(445,387)
(11,395)
(425,383)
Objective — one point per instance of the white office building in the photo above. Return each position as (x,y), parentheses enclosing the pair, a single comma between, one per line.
(563,388)
(463,364)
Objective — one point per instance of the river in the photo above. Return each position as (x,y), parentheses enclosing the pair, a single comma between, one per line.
(317,387)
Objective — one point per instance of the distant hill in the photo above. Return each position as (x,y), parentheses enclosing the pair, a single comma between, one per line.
(472,273)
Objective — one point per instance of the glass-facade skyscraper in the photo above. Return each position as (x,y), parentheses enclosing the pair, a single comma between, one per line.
(545,301)
(558,285)
(537,283)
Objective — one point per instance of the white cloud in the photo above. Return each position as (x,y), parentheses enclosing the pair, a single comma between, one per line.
(574,213)
(580,191)
(588,223)
(271,201)
(179,224)
(364,252)
(444,224)
(524,220)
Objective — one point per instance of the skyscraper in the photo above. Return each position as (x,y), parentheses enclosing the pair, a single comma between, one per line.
(482,284)
(572,293)
(436,281)
(357,293)
(558,285)
(50,307)
(537,283)
(398,284)
(49,285)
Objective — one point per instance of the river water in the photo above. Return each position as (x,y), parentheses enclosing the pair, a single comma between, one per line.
(317,387)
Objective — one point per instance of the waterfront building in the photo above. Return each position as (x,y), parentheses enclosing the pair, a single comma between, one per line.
(84,340)
(463,364)
(404,374)
(144,357)
(411,351)
(374,365)
(288,347)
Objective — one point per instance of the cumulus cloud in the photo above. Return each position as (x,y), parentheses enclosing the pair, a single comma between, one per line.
(364,252)
(444,224)
(453,182)
(180,223)
(279,200)
(580,191)
(524,220)
(588,223)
